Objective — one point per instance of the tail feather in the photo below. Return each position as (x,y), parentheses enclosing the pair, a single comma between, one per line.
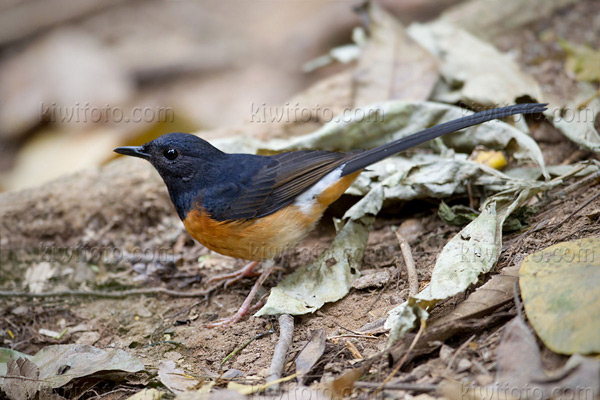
(371,156)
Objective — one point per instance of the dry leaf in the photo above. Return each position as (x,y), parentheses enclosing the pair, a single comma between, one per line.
(487,298)
(147,394)
(492,18)
(582,61)
(473,71)
(59,364)
(577,120)
(174,378)
(521,373)
(25,388)
(518,356)
(392,65)
(341,387)
(38,275)
(311,353)
(560,288)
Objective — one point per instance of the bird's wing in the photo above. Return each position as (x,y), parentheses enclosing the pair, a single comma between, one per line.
(275,185)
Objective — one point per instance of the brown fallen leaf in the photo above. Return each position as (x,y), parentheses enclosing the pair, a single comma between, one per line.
(21,381)
(497,292)
(392,65)
(342,386)
(66,69)
(518,356)
(521,372)
(311,353)
(174,378)
(473,71)
(492,18)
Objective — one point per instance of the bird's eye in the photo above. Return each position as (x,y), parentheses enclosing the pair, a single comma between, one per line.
(170,154)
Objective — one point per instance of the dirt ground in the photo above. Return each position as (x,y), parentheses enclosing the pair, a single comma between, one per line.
(157,328)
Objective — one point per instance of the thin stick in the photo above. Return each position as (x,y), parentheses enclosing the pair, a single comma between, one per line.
(243,346)
(352,336)
(396,386)
(107,295)
(458,351)
(410,348)
(584,205)
(286,330)
(413,280)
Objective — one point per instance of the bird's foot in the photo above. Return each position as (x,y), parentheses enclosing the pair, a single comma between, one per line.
(243,310)
(231,278)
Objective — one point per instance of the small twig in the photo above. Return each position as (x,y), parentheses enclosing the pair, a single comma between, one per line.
(165,342)
(405,357)
(346,329)
(358,336)
(396,386)
(458,351)
(23,378)
(413,280)
(106,295)
(242,347)
(286,330)
(588,180)
(355,352)
(584,205)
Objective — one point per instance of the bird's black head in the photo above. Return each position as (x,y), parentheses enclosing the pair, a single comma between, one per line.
(185,162)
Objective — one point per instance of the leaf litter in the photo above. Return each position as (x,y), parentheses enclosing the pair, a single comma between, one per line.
(56,366)
(511,191)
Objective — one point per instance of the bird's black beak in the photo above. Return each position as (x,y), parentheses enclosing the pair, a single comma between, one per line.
(134,151)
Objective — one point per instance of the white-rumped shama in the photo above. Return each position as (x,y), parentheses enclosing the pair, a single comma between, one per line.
(254,207)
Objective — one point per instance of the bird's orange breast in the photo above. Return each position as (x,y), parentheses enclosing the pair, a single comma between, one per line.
(264,237)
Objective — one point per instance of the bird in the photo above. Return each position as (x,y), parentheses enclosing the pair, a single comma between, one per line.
(254,207)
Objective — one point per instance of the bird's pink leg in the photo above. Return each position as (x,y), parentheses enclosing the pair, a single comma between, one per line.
(246,304)
(246,272)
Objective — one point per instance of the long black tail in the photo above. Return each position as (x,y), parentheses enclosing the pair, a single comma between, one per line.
(371,156)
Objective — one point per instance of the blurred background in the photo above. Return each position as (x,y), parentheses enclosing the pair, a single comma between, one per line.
(78,78)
